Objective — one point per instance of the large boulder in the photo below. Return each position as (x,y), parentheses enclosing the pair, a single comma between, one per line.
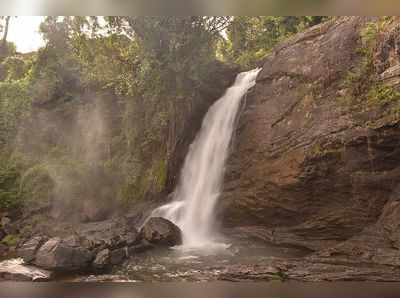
(160,231)
(28,250)
(63,255)
(108,234)
(15,270)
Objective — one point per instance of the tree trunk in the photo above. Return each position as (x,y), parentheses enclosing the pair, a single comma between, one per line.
(6,30)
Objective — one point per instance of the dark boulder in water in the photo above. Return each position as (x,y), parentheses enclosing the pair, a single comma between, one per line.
(63,255)
(160,231)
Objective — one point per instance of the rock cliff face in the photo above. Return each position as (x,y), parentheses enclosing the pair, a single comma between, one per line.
(316,161)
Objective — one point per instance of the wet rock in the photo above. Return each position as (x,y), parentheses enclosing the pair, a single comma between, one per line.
(104,278)
(2,234)
(160,231)
(107,234)
(251,272)
(94,245)
(315,271)
(60,255)
(28,250)
(3,249)
(139,248)
(117,256)
(132,238)
(15,270)
(102,259)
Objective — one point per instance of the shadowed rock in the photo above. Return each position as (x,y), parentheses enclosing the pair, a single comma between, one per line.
(98,246)
(2,234)
(160,231)
(102,259)
(63,255)
(28,250)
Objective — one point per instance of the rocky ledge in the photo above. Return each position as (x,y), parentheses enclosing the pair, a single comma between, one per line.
(93,247)
(16,270)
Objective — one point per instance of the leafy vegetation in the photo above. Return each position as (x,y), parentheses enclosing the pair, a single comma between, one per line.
(9,181)
(10,240)
(361,84)
(251,38)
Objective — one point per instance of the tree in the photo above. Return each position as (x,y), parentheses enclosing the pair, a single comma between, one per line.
(251,38)
(5,30)
(56,72)
(4,27)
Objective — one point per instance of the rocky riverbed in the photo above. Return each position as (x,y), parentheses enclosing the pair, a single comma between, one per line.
(253,262)
(109,251)
(91,248)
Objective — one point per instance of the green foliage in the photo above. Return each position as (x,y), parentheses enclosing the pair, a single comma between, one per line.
(381,95)
(14,105)
(251,38)
(280,275)
(10,240)
(368,35)
(6,50)
(360,78)
(15,68)
(55,74)
(108,62)
(9,181)
(361,83)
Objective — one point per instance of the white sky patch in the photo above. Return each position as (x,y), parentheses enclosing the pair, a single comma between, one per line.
(24,32)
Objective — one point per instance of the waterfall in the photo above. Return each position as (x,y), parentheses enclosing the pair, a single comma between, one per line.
(192,208)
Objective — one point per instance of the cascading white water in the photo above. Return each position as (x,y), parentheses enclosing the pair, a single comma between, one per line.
(192,208)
